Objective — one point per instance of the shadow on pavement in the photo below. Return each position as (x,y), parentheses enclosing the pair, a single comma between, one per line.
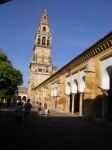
(54,132)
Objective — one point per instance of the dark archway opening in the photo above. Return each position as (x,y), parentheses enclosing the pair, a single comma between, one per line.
(109,70)
(76,103)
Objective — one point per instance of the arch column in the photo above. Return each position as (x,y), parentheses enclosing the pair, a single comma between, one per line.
(54,102)
(104,91)
(43,101)
(81,104)
(67,102)
(73,96)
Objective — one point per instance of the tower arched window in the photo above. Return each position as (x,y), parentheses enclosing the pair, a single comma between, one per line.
(44,29)
(43,40)
(48,42)
(38,40)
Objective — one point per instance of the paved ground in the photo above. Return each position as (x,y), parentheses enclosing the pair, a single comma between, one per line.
(59,131)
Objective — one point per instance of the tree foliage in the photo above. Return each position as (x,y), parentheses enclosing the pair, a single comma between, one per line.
(10,77)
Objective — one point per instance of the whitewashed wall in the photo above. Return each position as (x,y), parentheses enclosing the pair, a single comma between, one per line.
(74,83)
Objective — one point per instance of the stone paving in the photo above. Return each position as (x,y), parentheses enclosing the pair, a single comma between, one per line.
(58,131)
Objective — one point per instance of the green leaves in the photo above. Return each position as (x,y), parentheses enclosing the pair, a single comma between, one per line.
(10,77)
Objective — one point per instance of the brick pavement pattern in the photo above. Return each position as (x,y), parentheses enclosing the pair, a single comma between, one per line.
(58,131)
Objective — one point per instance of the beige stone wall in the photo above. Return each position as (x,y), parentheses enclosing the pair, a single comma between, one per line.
(90,61)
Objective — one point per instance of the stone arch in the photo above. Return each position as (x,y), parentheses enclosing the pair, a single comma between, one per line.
(44,29)
(48,42)
(52,91)
(82,81)
(68,88)
(39,40)
(75,83)
(109,71)
(76,97)
(106,74)
(19,97)
(24,97)
(55,89)
(44,40)
(75,86)
(106,82)
(82,84)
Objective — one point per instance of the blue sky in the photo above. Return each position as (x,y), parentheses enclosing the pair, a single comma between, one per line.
(75,26)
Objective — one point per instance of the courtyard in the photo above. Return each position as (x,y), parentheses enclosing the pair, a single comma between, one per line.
(57,131)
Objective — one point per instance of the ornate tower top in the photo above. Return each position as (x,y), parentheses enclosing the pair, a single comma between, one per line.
(44,18)
(43,35)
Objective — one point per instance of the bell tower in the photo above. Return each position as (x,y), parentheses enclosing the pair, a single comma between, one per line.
(41,66)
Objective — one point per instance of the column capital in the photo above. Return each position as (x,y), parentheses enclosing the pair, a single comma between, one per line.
(81,92)
(88,91)
(104,91)
(67,94)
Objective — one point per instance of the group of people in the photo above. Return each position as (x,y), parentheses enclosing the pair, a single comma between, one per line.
(43,108)
(23,109)
(19,108)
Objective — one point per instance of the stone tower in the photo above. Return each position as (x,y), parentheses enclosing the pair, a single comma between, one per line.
(41,66)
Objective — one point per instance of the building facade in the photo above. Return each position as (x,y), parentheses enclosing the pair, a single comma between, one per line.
(84,85)
(21,93)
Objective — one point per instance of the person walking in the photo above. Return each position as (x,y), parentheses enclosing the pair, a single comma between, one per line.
(40,108)
(20,105)
(27,110)
(18,114)
(46,109)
